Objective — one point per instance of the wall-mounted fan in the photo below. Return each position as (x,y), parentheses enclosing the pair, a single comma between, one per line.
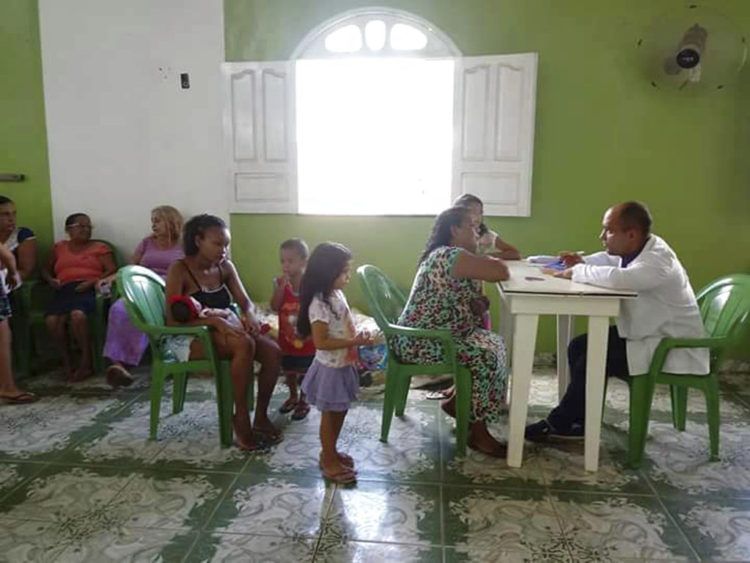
(692,48)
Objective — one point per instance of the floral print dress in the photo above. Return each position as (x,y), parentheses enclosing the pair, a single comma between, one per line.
(440,301)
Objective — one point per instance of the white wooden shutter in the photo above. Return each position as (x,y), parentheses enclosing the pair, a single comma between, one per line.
(260,137)
(495,101)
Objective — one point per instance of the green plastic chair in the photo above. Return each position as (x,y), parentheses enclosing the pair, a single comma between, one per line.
(29,303)
(143,293)
(725,309)
(386,303)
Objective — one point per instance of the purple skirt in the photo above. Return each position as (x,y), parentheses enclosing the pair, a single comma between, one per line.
(330,389)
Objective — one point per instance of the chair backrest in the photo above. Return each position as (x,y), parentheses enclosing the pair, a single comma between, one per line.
(385,299)
(143,292)
(725,305)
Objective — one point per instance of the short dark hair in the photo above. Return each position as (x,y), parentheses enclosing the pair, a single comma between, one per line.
(5,199)
(467,199)
(298,245)
(635,215)
(73,217)
(197,227)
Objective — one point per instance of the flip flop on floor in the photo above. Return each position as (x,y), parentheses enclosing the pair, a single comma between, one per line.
(22,398)
(288,406)
(438,395)
(301,411)
(343,477)
(257,447)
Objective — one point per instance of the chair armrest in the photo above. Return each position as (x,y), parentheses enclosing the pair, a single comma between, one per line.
(668,344)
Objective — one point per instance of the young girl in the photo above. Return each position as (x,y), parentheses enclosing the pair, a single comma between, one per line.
(331,383)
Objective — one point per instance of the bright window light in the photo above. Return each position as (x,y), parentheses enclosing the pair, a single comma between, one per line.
(374,136)
(375,35)
(347,39)
(407,38)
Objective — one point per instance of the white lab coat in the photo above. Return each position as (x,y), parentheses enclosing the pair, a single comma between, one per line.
(665,306)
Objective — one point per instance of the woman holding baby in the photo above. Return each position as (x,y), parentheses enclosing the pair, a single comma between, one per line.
(209,277)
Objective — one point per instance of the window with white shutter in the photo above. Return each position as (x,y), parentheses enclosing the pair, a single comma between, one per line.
(378,114)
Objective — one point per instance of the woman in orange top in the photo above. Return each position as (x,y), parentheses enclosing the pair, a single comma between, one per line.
(73,269)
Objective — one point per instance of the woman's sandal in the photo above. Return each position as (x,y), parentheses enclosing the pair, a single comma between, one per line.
(301,411)
(346,462)
(439,395)
(268,438)
(343,477)
(118,376)
(288,406)
(21,398)
(256,447)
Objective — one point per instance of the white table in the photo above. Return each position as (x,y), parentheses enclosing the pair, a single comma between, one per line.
(530,293)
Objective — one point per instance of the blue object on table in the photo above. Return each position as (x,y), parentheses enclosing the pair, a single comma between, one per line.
(558,265)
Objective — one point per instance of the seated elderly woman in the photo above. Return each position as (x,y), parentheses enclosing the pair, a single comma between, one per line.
(125,344)
(73,269)
(447,294)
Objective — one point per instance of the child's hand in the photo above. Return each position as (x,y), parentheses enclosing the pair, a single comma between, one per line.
(363,338)
(224,327)
(84,286)
(12,279)
(250,324)
(54,283)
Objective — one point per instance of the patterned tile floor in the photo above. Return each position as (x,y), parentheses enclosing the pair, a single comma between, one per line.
(79,481)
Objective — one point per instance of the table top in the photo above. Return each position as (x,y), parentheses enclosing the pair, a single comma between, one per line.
(528,278)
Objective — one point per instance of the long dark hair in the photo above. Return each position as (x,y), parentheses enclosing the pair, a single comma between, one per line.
(326,263)
(441,231)
(197,227)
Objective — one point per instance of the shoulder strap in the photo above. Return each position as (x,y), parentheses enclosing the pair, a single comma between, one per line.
(192,276)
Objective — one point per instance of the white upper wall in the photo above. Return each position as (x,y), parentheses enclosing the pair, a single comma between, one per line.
(123,136)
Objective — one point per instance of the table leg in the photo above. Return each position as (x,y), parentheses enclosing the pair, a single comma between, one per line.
(524,343)
(564,332)
(596,359)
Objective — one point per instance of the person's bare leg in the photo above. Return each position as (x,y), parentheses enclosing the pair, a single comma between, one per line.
(345,459)
(79,325)
(268,354)
(481,440)
(56,328)
(330,427)
(8,387)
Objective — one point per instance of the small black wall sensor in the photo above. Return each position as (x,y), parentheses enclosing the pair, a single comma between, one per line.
(185,80)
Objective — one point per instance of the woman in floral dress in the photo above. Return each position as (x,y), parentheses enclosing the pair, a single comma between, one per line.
(447,294)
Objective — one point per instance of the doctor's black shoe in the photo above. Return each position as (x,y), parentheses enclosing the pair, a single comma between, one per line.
(542,431)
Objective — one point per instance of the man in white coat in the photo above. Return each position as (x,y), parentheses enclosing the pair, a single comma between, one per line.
(665,307)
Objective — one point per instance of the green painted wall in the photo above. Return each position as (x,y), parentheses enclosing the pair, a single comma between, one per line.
(602,135)
(23,137)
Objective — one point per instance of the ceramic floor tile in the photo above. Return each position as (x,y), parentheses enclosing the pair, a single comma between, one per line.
(276,506)
(493,525)
(366,552)
(717,530)
(221,548)
(384,512)
(608,527)
(44,429)
(128,545)
(677,463)
(172,500)
(27,540)
(68,496)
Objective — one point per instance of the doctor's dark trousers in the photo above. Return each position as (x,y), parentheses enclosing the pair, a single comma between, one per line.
(572,407)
